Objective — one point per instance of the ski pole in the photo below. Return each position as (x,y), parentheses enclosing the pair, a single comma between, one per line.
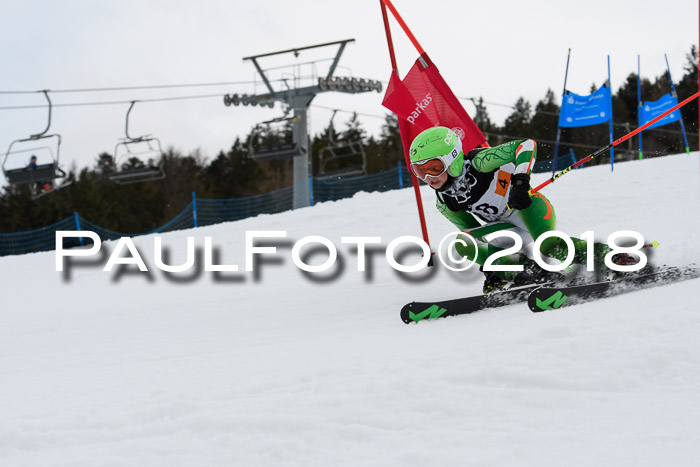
(614,143)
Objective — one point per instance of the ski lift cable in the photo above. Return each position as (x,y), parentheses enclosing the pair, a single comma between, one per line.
(85,104)
(333,109)
(131,88)
(156,99)
(473,99)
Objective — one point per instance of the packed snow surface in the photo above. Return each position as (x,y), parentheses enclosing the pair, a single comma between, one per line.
(278,367)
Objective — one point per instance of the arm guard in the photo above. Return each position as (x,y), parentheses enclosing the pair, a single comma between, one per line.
(520,152)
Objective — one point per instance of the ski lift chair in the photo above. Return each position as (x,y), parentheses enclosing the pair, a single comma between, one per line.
(149,172)
(273,152)
(276,152)
(340,151)
(41,174)
(336,151)
(140,148)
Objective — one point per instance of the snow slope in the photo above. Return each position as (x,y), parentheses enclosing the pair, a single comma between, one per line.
(281,368)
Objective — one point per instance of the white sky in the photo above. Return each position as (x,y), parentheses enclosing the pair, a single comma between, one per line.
(498,49)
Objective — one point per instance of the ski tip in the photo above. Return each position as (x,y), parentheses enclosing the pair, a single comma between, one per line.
(406,312)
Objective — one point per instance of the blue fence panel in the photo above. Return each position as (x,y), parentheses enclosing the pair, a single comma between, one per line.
(215,211)
(201,212)
(406,177)
(42,239)
(331,189)
(184,220)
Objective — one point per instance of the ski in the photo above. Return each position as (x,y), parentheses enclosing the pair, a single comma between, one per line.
(552,297)
(419,311)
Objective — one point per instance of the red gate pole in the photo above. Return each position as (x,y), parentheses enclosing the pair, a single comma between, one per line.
(394,66)
(402,23)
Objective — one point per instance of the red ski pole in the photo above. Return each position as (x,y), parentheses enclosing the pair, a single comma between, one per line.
(614,143)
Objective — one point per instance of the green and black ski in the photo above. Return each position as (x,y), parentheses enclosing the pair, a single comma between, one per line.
(541,297)
(552,297)
(419,311)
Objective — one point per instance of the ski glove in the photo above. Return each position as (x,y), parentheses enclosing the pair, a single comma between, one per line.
(519,197)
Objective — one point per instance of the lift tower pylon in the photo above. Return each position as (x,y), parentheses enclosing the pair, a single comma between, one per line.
(298,99)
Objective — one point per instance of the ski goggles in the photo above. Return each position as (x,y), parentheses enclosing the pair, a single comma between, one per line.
(431,167)
(437,165)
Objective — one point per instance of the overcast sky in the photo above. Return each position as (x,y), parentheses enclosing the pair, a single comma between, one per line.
(496,49)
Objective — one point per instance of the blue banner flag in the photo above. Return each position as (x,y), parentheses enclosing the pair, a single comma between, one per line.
(650,110)
(586,110)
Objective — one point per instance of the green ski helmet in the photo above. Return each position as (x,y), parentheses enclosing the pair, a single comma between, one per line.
(439,142)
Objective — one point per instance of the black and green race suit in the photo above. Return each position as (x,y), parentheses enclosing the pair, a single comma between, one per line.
(476,203)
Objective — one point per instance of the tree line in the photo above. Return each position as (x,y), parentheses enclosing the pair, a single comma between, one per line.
(232,173)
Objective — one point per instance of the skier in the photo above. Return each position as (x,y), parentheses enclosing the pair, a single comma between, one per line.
(35,187)
(487,190)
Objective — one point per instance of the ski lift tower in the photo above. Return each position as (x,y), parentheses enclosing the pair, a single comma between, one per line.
(298,99)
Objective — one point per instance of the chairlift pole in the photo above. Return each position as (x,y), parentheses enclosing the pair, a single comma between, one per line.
(301,163)
(48,125)
(126,130)
(331,138)
(298,99)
